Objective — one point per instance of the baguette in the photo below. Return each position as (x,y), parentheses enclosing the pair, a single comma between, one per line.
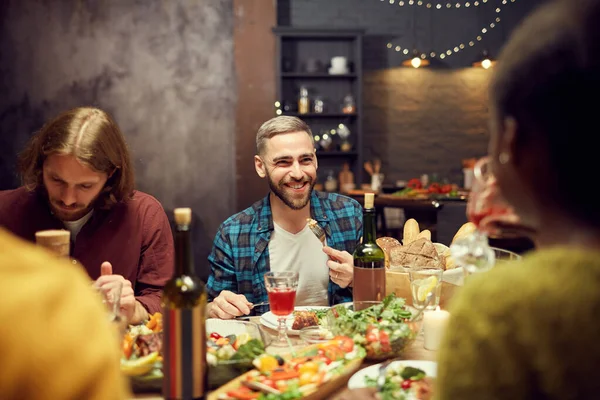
(411,231)
(464,231)
(424,234)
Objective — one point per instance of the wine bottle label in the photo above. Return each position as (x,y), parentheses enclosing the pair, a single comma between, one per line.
(184,353)
(369,264)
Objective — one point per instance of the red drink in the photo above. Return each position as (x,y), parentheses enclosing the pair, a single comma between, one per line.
(282,301)
(476,217)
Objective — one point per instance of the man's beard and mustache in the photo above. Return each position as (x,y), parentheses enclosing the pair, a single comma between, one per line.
(293,203)
(75,211)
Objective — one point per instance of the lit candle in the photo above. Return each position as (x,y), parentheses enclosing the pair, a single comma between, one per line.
(434,326)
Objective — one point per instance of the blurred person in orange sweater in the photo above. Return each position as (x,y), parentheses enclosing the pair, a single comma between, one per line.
(55,339)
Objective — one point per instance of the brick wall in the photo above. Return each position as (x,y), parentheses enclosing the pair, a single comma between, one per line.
(426,120)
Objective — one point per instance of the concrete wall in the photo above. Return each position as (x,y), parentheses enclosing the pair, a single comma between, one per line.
(163,69)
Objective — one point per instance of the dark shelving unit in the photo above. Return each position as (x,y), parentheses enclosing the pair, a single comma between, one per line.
(296,49)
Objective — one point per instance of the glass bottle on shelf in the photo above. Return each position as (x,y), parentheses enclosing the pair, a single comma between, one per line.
(303,102)
(331,182)
(318,105)
(348,105)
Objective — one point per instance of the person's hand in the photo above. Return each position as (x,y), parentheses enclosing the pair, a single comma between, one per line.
(109,283)
(228,305)
(341,266)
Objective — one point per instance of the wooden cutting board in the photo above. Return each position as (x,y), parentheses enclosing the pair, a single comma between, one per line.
(324,391)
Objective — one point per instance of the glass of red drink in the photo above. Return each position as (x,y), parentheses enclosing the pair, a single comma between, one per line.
(281,288)
(485,199)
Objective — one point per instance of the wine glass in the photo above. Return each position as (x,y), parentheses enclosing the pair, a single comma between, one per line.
(473,252)
(281,288)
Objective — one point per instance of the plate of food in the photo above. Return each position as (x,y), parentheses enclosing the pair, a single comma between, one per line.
(302,317)
(312,373)
(141,359)
(231,346)
(406,379)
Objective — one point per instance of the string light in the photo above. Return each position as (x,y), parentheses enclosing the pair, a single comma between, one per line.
(441,4)
(452,49)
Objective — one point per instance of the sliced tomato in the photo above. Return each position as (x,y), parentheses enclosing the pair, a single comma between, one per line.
(345,343)
(284,375)
(243,393)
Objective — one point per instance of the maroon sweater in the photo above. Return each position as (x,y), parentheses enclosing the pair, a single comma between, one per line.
(134,236)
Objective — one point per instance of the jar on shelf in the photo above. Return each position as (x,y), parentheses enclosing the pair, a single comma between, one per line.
(348,105)
(331,182)
(318,105)
(303,101)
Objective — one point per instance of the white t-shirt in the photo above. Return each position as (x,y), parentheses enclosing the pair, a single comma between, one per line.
(75,226)
(303,253)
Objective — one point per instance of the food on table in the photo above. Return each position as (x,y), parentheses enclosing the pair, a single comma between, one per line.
(411,231)
(316,229)
(241,347)
(142,347)
(404,383)
(421,288)
(387,244)
(303,319)
(418,251)
(299,375)
(418,254)
(415,190)
(382,329)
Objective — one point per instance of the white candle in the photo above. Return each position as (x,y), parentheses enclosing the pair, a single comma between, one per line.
(434,326)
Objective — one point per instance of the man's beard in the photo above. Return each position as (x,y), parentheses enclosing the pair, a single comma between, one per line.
(280,191)
(79,211)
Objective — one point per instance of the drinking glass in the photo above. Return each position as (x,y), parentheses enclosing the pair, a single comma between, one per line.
(473,252)
(281,288)
(423,282)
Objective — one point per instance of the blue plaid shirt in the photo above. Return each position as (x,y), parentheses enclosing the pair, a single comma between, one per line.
(240,253)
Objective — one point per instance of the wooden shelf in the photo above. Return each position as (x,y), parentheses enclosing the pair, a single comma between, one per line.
(322,75)
(320,115)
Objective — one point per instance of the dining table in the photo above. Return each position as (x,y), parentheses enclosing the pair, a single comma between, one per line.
(414,351)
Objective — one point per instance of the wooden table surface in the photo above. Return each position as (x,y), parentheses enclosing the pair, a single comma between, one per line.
(415,351)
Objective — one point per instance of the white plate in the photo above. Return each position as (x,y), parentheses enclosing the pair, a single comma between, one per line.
(358,379)
(269,319)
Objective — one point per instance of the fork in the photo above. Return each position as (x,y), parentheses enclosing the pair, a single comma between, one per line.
(264,303)
(316,229)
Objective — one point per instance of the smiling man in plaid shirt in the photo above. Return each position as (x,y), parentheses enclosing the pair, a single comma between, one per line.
(273,235)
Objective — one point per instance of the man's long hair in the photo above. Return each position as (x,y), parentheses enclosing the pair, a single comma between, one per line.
(94,139)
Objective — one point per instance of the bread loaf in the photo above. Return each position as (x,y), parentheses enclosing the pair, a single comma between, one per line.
(411,231)
(464,231)
(387,244)
(419,254)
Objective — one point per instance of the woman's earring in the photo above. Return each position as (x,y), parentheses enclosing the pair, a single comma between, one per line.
(504,158)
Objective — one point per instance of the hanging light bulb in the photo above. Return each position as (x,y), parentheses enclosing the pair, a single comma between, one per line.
(485,61)
(417,60)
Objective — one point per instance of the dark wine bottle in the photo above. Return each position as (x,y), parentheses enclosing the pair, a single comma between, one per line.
(184,313)
(369,260)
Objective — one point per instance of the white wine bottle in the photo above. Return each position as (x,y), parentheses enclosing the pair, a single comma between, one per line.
(369,260)
(184,313)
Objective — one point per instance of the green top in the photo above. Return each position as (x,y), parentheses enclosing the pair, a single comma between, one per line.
(526,331)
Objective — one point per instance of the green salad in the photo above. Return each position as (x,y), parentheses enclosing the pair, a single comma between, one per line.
(381,329)
(403,383)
